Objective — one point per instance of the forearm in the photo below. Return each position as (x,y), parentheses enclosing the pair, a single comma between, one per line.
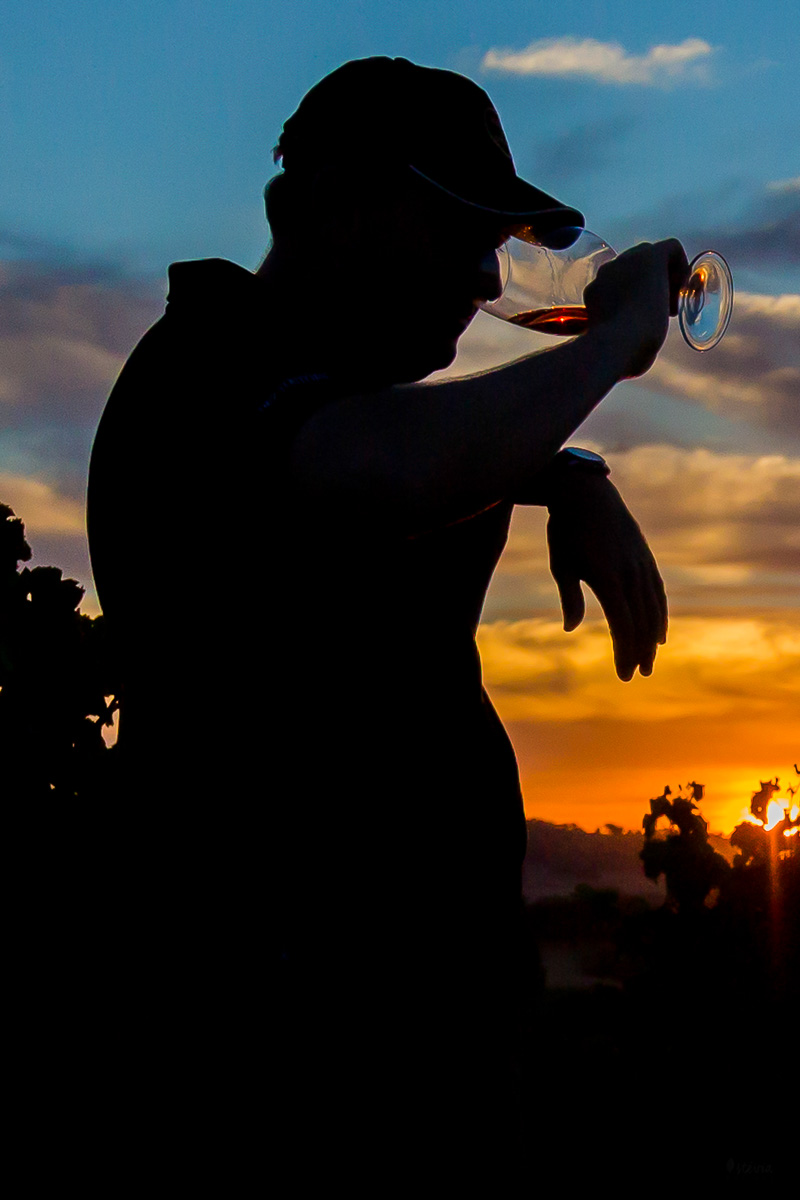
(428,454)
(515,418)
(416,456)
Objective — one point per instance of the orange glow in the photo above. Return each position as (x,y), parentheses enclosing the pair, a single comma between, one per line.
(572,780)
(593,750)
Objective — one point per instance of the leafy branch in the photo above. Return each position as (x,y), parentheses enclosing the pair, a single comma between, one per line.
(57,691)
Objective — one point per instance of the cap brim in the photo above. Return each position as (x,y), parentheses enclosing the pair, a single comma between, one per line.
(521,204)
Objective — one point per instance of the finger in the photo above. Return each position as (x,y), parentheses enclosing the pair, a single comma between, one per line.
(647,662)
(573,604)
(647,654)
(643,615)
(658,604)
(654,615)
(655,601)
(646,597)
(623,632)
(653,631)
(661,592)
(678,268)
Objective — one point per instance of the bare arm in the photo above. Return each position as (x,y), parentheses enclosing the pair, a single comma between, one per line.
(426,455)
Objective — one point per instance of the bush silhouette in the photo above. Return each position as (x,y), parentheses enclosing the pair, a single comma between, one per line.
(727,937)
(57,690)
(691,867)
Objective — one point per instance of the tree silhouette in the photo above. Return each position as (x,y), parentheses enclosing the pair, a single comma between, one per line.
(761,798)
(737,940)
(691,867)
(57,691)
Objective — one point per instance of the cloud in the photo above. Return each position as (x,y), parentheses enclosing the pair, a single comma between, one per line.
(54,529)
(584,149)
(753,374)
(721,707)
(606,62)
(725,529)
(754,228)
(66,328)
(597,770)
(42,509)
(683,487)
(783,310)
(745,394)
(770,242)
(767,234)
(785,186)
(722,523)
(65,332)
(710,668)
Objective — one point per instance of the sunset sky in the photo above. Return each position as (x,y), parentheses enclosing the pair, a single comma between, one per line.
(136,135)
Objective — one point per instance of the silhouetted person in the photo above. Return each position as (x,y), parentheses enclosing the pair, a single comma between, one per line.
(292,539)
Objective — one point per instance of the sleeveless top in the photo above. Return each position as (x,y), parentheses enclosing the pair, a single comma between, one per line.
(310,694)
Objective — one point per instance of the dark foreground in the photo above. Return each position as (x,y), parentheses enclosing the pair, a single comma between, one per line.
(679,1066)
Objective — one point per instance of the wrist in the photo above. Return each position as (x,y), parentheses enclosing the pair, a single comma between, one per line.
(628,345)
(572,471)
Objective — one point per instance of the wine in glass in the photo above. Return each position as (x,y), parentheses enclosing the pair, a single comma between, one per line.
(543,287)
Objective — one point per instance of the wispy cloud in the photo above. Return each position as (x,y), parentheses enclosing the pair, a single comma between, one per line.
(754,374)
(724,524)
(721,706)
(783,186)
(725,529)
(783,311)
(54,528)
(710,667)
(767,234)
(41,507)
(584,149)
(66,328)
(65,331)
(605,62)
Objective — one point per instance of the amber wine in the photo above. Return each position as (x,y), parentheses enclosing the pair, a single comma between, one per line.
(564,321)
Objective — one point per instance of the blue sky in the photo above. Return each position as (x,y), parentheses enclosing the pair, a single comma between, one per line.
(143,130)
(136,134)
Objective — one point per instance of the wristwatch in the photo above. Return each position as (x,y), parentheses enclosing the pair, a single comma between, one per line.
(550,482)
(573,458)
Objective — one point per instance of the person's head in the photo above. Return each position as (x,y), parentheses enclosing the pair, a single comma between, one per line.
(397,189)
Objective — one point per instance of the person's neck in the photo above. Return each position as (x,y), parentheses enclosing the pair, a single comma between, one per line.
(294,351)
(308,333)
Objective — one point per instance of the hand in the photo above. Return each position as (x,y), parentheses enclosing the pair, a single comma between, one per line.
(593,539)
(634,296)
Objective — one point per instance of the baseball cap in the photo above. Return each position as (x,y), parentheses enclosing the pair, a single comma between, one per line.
(438,123)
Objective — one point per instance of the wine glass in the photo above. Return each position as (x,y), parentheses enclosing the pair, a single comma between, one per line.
(543,287)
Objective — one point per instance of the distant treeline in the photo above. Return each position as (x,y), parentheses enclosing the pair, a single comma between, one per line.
(561,856)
